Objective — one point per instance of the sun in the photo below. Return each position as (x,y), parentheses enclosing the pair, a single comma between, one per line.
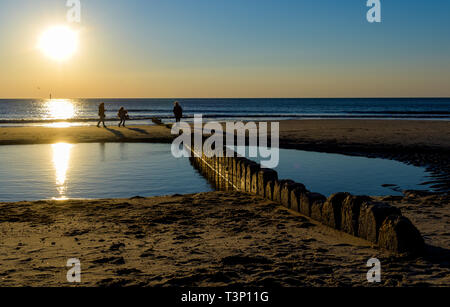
(59,43)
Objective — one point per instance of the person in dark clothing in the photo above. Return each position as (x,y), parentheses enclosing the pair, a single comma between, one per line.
(101,114)
(177,111)
(123,116)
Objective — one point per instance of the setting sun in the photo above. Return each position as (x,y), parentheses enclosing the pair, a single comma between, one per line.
(59,43)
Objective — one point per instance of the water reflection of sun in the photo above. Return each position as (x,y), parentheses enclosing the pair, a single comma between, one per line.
(60,109)
(61,159)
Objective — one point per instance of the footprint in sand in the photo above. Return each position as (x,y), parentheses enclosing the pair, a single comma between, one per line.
(306,225)
(116,246)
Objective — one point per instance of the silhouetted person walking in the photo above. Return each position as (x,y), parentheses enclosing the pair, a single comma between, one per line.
(177,111)
(123,115)
(101,114)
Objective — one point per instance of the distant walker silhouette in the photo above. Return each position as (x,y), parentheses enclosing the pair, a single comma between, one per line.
(101,114)
(177,111)
(123,116)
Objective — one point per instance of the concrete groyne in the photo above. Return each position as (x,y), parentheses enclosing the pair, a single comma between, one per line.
(360,216)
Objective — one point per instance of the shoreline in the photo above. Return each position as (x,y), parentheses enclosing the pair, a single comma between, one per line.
(420,143)
(8,123)
(375,133)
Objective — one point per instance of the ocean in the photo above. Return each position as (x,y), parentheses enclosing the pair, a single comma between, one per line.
(21,112)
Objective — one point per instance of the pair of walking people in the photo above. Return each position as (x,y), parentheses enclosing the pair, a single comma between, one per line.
(122,114)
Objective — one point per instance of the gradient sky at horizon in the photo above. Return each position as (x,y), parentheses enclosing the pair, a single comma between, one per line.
(232,48)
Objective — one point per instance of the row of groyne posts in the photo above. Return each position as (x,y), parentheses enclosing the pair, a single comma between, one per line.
(360,216)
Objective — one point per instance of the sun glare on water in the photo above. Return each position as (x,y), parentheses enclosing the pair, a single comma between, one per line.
(61,159)
(60,109)
(59,43)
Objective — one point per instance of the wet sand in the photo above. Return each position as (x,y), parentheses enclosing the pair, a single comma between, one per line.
(208,239)
(83,134)
(368,133)
(327,133)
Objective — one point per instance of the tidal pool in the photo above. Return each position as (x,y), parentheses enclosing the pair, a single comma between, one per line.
(112,170)
(123,170)
(330,173)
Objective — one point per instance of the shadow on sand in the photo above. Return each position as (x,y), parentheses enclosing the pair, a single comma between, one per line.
(116,133)
(437,254)
(139,130)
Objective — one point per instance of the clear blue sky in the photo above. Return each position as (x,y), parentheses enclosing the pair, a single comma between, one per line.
(233,48)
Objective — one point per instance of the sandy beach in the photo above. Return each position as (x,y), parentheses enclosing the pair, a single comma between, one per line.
(218,238)
(369,133)
(389,134)
(209,239)
(84,134)
(310,147)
